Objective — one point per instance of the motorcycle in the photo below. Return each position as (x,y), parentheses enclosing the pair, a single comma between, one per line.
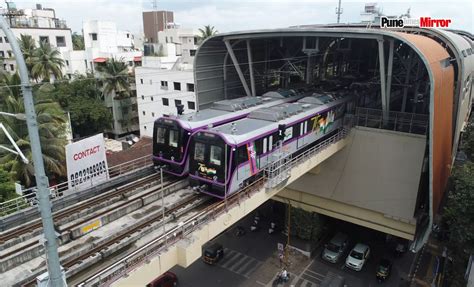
(282,277)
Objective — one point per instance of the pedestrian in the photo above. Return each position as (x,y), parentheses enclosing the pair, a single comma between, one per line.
(281,257)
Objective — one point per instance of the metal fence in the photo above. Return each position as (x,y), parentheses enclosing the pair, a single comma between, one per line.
(145,253)
(56,191)
(397,121)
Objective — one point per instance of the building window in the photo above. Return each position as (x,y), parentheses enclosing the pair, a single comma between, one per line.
(94,36)
(143,112)
(192,52)
(1,40)
(85,62)
(2,54)
(141,81)
(44,39)
(130,63)
(164,85)
(67,63)
(128,35)
(60,41)
(151,98)
(177,102)
(195,40)
(9,54)
(166,102)
(5,67)
(153,114)
(144,127)
(6,40)
(190,87)
(143,97)
(191,105)
(177,86)
(12,68)
(166,39)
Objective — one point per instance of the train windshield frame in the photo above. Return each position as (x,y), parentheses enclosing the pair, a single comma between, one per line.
(160,135)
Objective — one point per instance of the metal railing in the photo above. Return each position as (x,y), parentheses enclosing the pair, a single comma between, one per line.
(145,253)
(397,121)
(56,191)
(279,171)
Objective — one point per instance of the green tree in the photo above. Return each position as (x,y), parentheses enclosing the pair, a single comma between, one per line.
(7,187)
(77,41)
(207,32)
(28,48)
(82,98)
(51,125)
(47,61)
(468,140)
(114,77)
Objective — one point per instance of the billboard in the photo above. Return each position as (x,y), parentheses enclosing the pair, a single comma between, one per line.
(86,163)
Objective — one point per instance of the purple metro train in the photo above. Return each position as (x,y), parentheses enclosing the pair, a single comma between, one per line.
(248,145)
(171,134)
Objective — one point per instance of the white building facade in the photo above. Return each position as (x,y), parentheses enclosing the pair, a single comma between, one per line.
(159,91)
(41,24)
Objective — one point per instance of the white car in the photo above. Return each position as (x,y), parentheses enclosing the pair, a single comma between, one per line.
(358,256)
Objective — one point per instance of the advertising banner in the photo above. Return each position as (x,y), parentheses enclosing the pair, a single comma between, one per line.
(86,163)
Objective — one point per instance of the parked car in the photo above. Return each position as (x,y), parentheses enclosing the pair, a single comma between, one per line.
(358,256)
(213,253)
(335,248)
(168,279)
(383,270)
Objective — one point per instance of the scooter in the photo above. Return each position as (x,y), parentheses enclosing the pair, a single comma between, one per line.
(272,228)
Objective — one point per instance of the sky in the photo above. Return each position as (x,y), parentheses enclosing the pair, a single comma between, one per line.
(232,15)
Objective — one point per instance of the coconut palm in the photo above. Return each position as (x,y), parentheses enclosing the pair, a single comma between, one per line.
(28,47)
(51,125)
(207,32)
(47,61)
(115,78)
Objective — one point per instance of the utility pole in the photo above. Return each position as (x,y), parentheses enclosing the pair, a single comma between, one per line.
(339,12)
(44,204)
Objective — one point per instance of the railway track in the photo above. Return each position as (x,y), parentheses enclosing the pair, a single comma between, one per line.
(68,230)
(64,213)
(194,201)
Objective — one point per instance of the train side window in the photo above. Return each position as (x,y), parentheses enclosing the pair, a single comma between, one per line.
(199,151)
(160,135)
(301,128)
(270,143)
(288,133)
(173,138)
(242,154)
(216,155)
(264,145)
(305,127)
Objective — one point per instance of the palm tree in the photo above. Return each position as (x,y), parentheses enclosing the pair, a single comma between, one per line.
(115,78)
(207,32)
(28,47)
(47,61)
(51,125)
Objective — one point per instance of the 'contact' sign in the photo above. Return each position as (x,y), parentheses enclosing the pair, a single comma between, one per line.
(86,163)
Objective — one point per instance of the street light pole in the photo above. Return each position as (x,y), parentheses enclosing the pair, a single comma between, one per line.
(51,246)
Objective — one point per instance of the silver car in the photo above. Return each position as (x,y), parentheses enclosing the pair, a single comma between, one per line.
(358,256)
(334,249)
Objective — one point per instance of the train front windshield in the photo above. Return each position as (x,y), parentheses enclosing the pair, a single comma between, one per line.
(207,157)
(168,139)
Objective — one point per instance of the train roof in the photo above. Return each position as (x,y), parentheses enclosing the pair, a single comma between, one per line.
(233,108)
(265,120)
